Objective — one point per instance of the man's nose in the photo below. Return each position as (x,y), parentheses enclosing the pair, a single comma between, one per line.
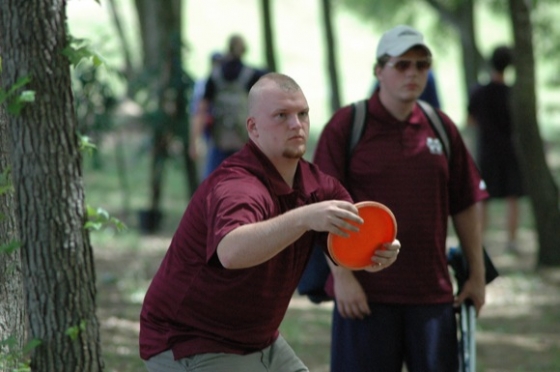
(295,121)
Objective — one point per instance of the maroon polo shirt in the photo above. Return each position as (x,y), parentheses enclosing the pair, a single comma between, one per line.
(401,165)
(194,305)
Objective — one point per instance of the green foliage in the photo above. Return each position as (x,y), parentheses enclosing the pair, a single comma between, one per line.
(86,145)
(6,185)
(79,50)
(13,358)
(10,247)
(74,332)
(98,218)
(17,102)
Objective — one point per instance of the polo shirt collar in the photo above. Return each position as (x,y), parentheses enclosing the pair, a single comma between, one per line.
(382,114)
(267,172)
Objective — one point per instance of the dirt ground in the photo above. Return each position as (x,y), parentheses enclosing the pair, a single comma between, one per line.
(518,330)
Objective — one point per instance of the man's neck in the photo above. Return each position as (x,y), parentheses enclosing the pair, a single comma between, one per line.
(287,169)
(400,110)
(497,77)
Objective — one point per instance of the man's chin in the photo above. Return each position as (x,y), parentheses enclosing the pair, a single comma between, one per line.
(294,153)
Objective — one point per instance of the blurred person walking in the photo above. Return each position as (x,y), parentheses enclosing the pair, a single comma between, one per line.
(489,111)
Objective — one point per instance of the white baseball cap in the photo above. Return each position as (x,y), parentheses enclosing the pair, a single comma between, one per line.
(398,40)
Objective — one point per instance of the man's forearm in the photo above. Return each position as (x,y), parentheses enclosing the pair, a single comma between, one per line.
(255,243)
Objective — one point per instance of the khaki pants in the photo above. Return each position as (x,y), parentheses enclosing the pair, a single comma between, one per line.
(278,357)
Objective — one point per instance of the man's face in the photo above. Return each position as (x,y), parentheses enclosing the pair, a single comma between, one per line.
(280,123)
(403,78)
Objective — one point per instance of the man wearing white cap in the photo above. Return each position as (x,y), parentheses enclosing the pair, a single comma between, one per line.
(405,314)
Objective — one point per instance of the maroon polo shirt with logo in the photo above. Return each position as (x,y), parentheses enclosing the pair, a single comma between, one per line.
(402,165)
(194,305)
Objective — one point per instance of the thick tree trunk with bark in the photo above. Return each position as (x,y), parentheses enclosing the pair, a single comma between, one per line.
(12,314)
(57,257)
(540,184)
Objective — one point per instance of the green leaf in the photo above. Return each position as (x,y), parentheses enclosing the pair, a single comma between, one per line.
(6,182)
(93,225)
(103,213)
(10,247)
(99,217)
(19,83)
(15,108)
(73,332)
(27,348)
(27,96)
(119,224)
(4,96)
(86,145)
(77,54)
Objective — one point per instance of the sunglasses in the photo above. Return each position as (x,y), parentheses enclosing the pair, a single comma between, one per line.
(404,64)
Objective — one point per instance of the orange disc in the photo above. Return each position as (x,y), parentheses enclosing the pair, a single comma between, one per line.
(356,251)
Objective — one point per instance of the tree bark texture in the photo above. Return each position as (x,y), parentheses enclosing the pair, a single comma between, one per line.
(57,257)
(268,33)
(540,184)
(331,54)
(460,15)
(163,46)
(12,310)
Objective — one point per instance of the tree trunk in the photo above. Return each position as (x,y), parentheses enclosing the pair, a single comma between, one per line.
(540,184)
(162,43)
(331,55)
(472,60)
(268,35)
(12,313)
(460,15)
(57,257)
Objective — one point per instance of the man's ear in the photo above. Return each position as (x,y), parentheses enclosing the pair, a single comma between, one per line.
(376,71)
(252,127)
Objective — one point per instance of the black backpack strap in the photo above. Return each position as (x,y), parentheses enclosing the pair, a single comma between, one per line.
(437,126)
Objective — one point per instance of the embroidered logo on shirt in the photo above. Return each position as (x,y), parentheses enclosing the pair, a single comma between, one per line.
(434,145)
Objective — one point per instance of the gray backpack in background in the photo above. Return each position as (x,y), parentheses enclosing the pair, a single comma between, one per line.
(229,131)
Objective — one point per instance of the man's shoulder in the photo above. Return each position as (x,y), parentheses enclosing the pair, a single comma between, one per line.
(317,180)
(343,116)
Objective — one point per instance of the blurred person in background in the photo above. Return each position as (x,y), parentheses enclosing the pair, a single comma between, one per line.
(404,315)
(228,83)
(489,112)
